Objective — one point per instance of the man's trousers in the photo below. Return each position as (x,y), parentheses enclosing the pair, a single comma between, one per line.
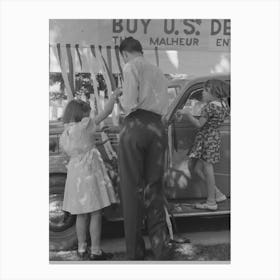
(141,163)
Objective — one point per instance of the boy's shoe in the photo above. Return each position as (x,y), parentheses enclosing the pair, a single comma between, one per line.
(168,252)
(100,257)
(179,240)
(220,198)
(206,206)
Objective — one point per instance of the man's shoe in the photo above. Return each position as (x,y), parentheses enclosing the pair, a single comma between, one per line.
(140,249)
(180,240)
(168,253)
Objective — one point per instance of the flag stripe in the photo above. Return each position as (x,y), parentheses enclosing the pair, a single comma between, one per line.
(79,56)
(71,67)
(64,72)
(117,52)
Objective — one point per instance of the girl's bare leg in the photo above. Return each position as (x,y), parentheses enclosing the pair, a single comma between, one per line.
(198,169)
(210,182)
(81,230)
(95,231)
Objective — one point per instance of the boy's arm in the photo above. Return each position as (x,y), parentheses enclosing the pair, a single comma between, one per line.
(130,89)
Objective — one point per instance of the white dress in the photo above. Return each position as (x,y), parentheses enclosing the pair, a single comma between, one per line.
(88,187)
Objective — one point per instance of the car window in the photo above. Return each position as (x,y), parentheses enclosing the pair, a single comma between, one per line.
(194,103)
(172,93)
(53,144)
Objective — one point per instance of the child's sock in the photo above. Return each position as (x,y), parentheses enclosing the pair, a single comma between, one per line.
(210,202)
(95,251)
(82,247)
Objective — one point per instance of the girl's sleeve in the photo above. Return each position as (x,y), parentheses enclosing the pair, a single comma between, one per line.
(206,111)
(88,124)
(64,142)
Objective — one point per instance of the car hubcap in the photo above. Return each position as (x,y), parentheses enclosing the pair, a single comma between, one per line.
(59,220)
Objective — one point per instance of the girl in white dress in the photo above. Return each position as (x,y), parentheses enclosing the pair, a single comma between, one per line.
(88,188)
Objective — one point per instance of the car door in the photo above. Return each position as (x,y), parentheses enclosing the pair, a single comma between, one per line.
(181,134)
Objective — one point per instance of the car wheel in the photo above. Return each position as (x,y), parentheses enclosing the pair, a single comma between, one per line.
(62,234)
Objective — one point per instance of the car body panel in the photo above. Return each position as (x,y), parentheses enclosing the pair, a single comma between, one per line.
(180,138)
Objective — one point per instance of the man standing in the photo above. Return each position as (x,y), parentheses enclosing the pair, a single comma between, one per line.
(141,152)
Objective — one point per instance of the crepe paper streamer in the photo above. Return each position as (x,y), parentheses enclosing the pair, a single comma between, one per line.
(96,63)
(71,67)
(115,67)
(118,108)
(118,137)
(84,59)
(109,58)
(117,52)
(107,146)
(92,48)
(79,56)
(58,53)
(97,55)
(168,222)
(75,64)
(157,56)
(107,74)
(90,63)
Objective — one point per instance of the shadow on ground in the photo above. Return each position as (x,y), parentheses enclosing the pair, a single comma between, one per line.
(184,252)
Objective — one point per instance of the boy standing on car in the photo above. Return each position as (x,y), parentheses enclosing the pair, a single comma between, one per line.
(141,152)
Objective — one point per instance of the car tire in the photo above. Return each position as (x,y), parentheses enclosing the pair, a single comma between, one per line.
(62,233)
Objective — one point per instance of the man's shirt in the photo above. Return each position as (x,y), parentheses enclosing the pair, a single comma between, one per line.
(145,87)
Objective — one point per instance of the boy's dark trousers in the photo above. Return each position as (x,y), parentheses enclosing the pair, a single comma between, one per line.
(141,163)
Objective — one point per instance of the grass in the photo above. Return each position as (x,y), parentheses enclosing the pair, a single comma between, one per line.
(184,252)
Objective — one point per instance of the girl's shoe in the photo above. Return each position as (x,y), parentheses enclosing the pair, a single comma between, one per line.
(206,206)
(100,257)
(220,198)
(82,255)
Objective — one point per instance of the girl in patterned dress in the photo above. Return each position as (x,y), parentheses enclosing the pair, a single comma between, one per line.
(88,188)
(206,146)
